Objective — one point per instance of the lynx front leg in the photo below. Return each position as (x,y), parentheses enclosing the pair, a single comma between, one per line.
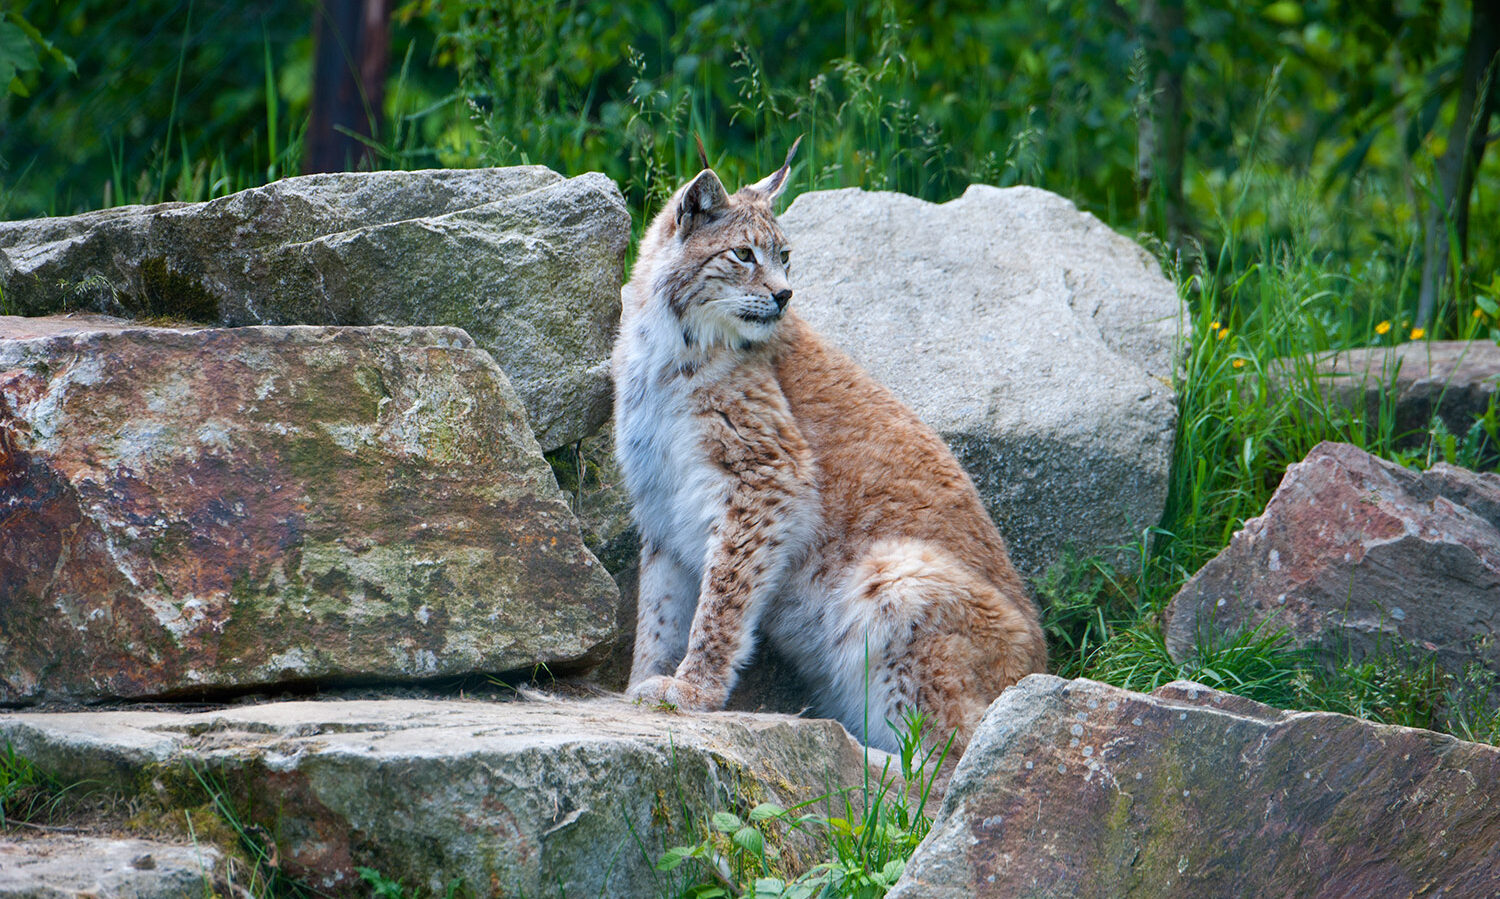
(766,522)
(664,613)
(732,596)
(760,533)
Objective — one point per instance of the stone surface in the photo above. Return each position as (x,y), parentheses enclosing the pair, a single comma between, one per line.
(529,263)
(1454,379)
(189,509)
(534,798)
(1034,339)
(1354,554)
(68,867)
(1075,788)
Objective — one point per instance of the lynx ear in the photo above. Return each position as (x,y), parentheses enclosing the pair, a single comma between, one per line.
(700,201)
(773,184)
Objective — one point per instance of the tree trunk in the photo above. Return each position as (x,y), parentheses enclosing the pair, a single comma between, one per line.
(351,55)
(1161,143)
(1477,102)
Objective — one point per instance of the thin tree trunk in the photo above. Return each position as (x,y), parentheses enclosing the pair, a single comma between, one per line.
(1477,102)
(351,56)
(1161,145)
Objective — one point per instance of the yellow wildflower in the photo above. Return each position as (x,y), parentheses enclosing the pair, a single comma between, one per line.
(1223,333)
(1239,363)
(1479,313)
(1213,325)
(1383,327)
(1418,333)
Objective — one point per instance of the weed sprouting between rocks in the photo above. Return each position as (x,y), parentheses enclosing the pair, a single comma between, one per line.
(868,834)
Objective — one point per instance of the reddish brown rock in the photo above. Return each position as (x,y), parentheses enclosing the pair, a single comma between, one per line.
(1354,553)
(1453,379)
(191,509)
(1078,789)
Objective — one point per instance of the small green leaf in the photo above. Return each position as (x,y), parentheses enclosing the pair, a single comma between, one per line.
(1284,12)
(766,810)
(725,822)
(750,840)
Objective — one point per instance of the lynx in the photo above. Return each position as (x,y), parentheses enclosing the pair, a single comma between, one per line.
(780,490)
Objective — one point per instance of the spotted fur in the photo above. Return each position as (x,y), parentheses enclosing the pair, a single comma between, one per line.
(780,490)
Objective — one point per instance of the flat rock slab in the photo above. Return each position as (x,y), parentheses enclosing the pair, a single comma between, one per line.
(1452,379)
(1075,788)
(68,867)
(528,262)
(1033,338)
(229,508)
(1354,554)
(534,798)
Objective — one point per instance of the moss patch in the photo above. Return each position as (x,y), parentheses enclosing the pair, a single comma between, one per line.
(170,295)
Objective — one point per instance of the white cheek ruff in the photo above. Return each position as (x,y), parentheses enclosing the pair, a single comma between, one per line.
(732,321)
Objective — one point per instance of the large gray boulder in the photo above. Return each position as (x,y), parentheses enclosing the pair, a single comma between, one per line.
(536,798)
(1355,555)
(527,262)
(1079,789)
(1035,340)
(183,510)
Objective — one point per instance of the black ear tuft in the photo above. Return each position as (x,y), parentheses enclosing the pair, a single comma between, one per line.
(775,183)
(700,201)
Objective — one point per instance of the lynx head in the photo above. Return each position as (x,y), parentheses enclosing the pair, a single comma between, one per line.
(719,261)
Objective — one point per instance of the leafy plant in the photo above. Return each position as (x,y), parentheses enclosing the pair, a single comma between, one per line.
(22,48)
(382,887)
(869,837)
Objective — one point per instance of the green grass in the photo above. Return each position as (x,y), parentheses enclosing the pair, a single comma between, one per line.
(255,870)
(868,835)
(29,795)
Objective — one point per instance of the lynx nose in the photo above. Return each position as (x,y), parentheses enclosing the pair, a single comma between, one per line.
(782,297)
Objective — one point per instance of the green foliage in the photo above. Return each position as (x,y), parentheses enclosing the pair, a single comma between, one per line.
(382,887)
(869,838)
(895,95)
(1251,402)
(1471,705)
(1398,686)
(262,878)
(1082,600)
(27,793)
(20,42)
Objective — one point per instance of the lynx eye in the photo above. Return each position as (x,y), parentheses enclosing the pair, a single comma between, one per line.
(744,254)
(786,256)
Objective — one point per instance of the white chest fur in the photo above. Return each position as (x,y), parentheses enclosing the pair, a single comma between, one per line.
(677,492)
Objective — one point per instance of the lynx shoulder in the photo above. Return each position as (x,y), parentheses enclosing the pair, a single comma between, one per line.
(781,493)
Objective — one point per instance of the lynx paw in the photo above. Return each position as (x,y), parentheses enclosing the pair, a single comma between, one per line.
(663,688)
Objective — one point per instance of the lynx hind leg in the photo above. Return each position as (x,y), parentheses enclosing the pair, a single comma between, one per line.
(666,599)
(920,630)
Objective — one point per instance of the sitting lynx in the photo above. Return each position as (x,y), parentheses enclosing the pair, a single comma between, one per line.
(779,489)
